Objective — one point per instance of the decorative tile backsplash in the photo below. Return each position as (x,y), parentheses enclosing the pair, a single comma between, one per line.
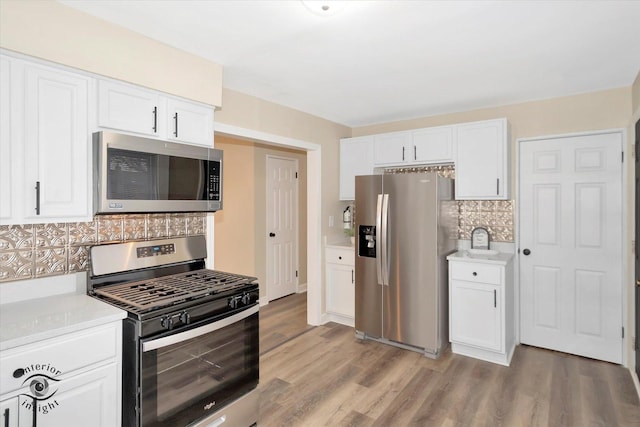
(495,215)
(36,250)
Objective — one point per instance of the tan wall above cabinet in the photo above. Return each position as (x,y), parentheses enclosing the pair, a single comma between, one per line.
(479,150)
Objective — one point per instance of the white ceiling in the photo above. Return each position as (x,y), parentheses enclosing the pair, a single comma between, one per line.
(380,61)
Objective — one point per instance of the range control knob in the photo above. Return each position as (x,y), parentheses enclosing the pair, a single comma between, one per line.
(235,301)
(185,318)
(246,299)
(166,322)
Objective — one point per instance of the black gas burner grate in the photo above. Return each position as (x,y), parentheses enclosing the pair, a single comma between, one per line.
(163,291)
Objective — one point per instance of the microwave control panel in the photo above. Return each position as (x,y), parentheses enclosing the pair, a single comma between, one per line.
(214,181)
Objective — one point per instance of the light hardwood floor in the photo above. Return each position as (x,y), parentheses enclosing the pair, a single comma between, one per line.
(324,376)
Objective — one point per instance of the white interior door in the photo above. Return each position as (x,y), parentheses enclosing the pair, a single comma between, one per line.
(282,226)
(571,245)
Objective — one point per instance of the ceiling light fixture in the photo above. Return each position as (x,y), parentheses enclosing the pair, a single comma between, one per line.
(324,7)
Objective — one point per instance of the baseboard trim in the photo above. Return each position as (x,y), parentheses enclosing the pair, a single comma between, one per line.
(263,301)
(302,288)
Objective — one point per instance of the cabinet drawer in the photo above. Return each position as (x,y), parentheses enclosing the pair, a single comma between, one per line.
(341,256)
(57,357)
(475,272)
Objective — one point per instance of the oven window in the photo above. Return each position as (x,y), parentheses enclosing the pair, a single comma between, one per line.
(187,380)
(134,175)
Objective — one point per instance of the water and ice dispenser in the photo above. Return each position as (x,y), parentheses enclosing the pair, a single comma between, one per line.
(367,241)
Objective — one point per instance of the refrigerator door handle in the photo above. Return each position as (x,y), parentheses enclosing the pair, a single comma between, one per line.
(385,240)
(379,240)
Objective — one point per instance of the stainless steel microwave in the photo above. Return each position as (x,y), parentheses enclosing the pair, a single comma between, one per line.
(134,174)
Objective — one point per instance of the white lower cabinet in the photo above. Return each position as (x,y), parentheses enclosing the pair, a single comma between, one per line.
(340,284)
(9,410)
(85,399)
(75,379)
(481,322)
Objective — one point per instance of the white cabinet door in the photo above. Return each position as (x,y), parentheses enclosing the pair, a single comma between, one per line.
(356,158)
(433,145)
(6,171)
(129,108)
(482,161)
(190,122)
(476,315)
(341,290)
(9,412)
(392,148)
(56,145)
(87,399)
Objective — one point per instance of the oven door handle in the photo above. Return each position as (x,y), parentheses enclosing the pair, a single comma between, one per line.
(193,333)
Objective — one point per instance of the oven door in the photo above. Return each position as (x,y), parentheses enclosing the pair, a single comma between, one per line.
(192,373)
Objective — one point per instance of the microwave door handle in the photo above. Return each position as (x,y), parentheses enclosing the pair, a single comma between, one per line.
(202,330)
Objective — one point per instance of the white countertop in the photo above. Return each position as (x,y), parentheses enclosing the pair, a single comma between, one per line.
(29,321)
(501,258)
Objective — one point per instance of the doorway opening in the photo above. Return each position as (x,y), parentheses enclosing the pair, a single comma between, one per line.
(250,226)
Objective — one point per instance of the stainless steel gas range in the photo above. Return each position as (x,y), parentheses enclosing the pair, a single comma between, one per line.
(190,340)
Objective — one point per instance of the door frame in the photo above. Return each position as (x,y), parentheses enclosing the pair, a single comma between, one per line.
(625,229)
(314,209)
(296,220)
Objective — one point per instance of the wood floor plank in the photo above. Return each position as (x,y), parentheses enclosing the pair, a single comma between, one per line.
(324,376)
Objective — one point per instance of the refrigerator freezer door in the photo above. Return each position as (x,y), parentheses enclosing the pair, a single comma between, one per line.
(410,300)
(368,309)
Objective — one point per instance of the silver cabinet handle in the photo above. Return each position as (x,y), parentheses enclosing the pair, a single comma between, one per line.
(37,197)
(495,298)
(497,186)
(155,119)
(175,119)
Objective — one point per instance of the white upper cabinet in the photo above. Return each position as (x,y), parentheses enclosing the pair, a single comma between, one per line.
(56,138)
(129,108)
(356,158)
(416,147)
(190,122)
(392,148)
(6,171)
(482,160)
(433,145)
(46,139)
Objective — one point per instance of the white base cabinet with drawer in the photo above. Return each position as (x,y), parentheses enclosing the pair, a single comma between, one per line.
(76,378)
(481,321)
(340,284)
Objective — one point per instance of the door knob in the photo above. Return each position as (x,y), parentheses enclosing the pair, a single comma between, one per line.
(272,234)
(526,251)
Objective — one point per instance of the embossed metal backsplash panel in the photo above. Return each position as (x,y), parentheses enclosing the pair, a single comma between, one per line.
(495,215)
(28,251)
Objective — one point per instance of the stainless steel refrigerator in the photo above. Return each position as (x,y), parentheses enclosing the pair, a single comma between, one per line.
(406,225)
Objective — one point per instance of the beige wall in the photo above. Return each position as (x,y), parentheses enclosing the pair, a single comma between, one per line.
(635,94)
(240,228)
(49,30)
(252,113)
(234,244)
